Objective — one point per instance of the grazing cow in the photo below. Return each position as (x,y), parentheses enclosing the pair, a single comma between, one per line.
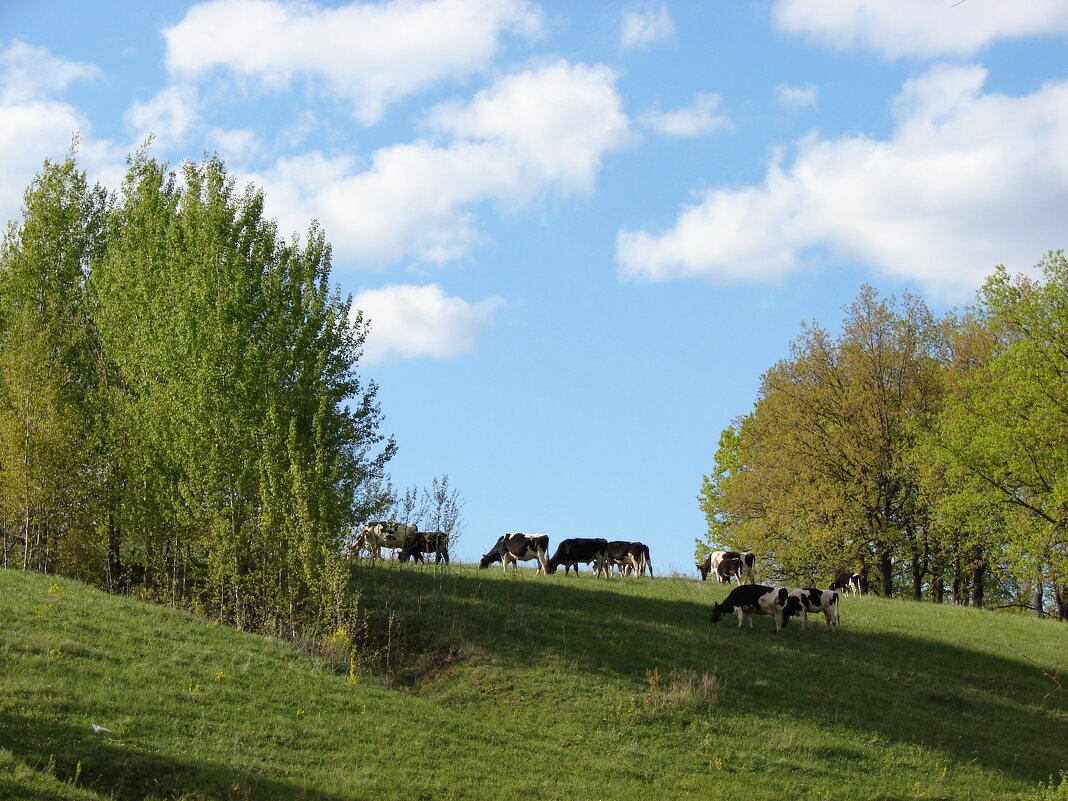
(729,568)
(747,600)
(627,556)
(373,537)
(579,549)
(435,542)
(713,559)
(848,582)
(511,549)
(803,601)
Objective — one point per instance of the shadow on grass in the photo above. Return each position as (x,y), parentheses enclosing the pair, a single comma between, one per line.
(971,706)
(119,769)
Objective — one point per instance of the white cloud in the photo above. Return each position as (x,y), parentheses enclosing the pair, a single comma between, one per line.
(412,321)
(29,73)
(919,27)
(703,117)
(533,132)
(966,181)
(36,126)
(795,97)
(168,115)
(237,144)
(371,54)
(645,27)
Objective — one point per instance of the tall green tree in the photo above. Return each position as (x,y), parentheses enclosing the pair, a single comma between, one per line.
(1003,430)
(49,359)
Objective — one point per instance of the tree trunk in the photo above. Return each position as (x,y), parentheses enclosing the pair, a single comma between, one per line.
(956,580)
(886,575)
(938,587)
(977,584)
(1040,591)
(1060,597)
(114,555)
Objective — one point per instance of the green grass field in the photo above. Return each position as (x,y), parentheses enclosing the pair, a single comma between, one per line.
(527,687)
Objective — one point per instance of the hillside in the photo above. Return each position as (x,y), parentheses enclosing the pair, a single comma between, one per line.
(526,686)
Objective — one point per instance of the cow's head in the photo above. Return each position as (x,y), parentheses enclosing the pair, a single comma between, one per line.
(717,613)
(704,568)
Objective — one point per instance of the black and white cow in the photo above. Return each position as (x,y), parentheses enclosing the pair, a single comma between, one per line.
(802,602)
(646,561)
(747,600)
(373,537)
(712,561)
(627,556)
(510,549)
(848,582)
(435,542)
(580,549)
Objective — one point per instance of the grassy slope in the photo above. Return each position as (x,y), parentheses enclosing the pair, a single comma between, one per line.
(550,698)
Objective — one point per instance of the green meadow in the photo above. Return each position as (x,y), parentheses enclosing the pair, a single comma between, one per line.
(476,684)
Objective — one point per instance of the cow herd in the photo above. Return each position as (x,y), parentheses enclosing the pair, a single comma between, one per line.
(628,558)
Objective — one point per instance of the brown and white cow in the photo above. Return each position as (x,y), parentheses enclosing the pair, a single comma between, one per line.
(513,548)
(747,600)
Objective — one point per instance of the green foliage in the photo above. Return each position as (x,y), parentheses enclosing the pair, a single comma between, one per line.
(926,451)
(179,402)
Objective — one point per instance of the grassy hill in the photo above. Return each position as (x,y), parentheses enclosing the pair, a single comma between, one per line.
(526,687)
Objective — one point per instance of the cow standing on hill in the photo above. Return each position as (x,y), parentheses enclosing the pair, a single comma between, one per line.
(802,602)
(712,561)
(435,542)
(580,549)
(373,537)
(747,600)
(848,582)
(511,549)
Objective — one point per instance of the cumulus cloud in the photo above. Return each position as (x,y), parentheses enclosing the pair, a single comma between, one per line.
(967,180)
(168,115)
(37,126)
(795,97)
(701,118)
(369,53)
(919,27)
(411,321)
(537,131)
(644,27)
(29,73)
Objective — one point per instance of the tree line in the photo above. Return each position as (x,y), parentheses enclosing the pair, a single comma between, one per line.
(929,454)
(180,408)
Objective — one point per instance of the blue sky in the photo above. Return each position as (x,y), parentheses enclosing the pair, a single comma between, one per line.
(581,231)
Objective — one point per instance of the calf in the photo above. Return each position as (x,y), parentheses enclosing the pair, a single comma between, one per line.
(511,549)
(746,600)
(579,549)
(727,569)
(801,602)
(435,542)
(646,561)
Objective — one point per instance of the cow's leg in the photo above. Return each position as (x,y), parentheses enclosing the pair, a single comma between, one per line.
(741,617)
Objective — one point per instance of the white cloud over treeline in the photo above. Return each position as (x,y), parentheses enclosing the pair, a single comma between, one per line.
(408,321)
(966,180)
